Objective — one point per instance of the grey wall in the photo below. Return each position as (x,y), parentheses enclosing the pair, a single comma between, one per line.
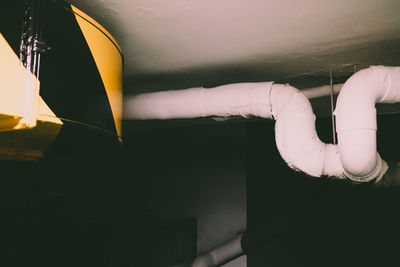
(199,171)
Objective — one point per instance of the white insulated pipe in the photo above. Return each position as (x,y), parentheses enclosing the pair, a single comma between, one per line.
(356,120)
(242,99)
(322,91)
(202,102)
(296,137)
(221,254)
(355,156)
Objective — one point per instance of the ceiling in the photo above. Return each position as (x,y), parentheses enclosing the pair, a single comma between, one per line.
(179,44)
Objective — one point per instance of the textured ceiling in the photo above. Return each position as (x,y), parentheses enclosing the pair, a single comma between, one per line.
(178,44)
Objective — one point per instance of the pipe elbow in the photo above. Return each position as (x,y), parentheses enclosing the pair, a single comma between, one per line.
(294,128)
(358,152)
(356,120)
(361,168)
(296,136)
(355,106)
(366,169)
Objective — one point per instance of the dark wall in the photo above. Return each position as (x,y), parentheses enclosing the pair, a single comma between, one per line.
(198,171)
(315,221)
(128,207)
(71,212)
(156,201)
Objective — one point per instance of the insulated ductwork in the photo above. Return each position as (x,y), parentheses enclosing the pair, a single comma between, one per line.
(354,157)
(243,99)
(296,137)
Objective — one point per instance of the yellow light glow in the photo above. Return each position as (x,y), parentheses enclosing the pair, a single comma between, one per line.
(22,109)
(106,54)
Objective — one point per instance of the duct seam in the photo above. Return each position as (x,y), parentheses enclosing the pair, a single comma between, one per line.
(332,163)
(325,159)
(200,102)
(387,88)
(270,102)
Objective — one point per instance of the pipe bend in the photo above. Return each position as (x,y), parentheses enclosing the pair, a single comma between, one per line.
(356,120)
(296,136)
(358,151)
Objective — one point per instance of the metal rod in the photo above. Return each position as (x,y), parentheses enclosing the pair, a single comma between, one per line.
(31,47)
(332,109)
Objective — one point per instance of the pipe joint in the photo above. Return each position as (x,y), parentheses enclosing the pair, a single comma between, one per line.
(376,173)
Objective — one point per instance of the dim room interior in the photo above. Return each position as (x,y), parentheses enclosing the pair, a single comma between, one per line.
(199,133)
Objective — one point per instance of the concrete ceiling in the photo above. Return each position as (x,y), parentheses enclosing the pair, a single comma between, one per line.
(178,44)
